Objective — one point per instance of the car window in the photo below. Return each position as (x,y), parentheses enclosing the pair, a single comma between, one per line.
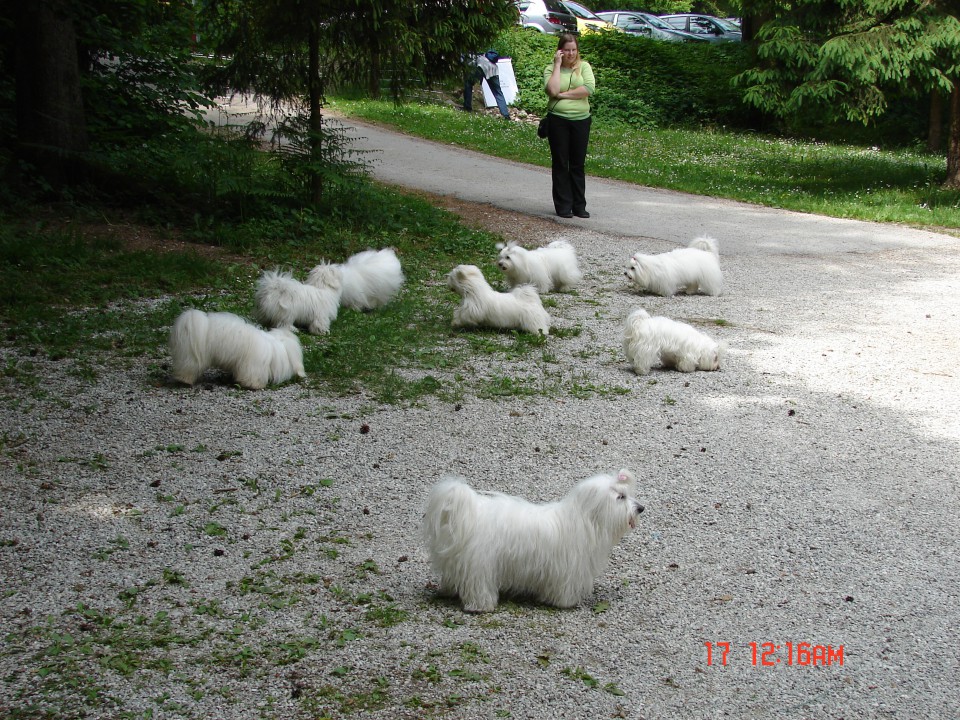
(702,26)
(655,21)
(727,25)
(556,6)
(678,23)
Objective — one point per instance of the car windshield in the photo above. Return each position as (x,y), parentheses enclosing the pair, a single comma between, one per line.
(581,12)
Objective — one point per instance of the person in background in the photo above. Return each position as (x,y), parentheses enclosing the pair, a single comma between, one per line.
(569,83)
(484,67)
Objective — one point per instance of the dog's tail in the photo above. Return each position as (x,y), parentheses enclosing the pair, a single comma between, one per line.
(450,517)
(707,243)
(371,279)
(188,345)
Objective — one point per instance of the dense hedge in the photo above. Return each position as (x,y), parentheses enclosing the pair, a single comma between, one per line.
(644,82)
(649,83)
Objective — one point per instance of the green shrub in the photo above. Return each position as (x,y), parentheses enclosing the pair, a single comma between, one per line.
(641,81)
(653,84)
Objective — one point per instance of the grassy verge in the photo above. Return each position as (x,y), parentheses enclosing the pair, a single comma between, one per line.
(900,186)
(81,292)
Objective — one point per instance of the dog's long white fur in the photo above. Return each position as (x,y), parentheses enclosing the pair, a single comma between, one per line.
(254,357)
(283,301)
(650,341)
(368,279)
(553,267)
(482,306)
(371,279)
(485,544)
(693,269)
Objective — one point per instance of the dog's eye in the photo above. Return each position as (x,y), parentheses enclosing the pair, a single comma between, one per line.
(621,496)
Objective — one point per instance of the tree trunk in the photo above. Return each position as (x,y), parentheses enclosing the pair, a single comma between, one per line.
(935,123)
(51,128)
(953,143)
(315,83)
(374,80)
(752,19)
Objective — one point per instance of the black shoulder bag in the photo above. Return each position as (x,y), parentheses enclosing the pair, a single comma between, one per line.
(543,128)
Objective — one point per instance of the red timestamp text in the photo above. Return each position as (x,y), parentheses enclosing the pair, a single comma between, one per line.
(769,654)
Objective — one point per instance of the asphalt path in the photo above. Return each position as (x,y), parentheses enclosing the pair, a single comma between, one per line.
(617,207)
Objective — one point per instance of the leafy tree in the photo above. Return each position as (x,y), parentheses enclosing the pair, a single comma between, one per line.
(844,58)
(93,73)
(50,124)
(657,7)
(291,50)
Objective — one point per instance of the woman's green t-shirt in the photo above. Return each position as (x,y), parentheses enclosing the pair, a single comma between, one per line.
(570,80)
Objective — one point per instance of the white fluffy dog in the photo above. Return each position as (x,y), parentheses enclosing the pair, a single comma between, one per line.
(482,544)
(369,279)
(282,301)
(553,267)
(254,357)
(649,341)
(482,306)
(693,269)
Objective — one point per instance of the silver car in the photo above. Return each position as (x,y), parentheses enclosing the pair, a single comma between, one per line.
(639,23)
(546,16)
(707,26)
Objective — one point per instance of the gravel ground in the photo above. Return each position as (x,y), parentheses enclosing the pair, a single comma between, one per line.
(216,553)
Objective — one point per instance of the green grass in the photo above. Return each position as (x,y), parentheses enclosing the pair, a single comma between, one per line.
(72,291)
(845,181)
(77,296)
(74,294)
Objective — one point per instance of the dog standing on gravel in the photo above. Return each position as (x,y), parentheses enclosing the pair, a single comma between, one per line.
(483,544)
(553,267)
(649,341)
(482,306)
(693,269)
(254,357)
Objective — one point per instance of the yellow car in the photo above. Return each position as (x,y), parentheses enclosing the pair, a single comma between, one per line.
(587,20)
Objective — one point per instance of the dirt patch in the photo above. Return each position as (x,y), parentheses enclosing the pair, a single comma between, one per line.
(484,216)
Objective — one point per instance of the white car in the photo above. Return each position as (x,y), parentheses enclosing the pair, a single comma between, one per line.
(546,16)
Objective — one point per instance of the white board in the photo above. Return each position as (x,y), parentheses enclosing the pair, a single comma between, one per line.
(508,83)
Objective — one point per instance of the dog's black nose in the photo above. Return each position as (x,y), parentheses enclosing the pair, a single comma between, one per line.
(639,509)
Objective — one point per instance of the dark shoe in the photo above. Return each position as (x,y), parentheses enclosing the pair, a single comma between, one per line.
(581,213)
(565,214)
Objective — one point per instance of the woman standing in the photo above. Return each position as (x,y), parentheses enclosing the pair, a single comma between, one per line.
(569,82)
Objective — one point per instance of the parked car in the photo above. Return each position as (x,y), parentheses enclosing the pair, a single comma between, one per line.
(712,28)
(587,20)
(546,16)
(639,23)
